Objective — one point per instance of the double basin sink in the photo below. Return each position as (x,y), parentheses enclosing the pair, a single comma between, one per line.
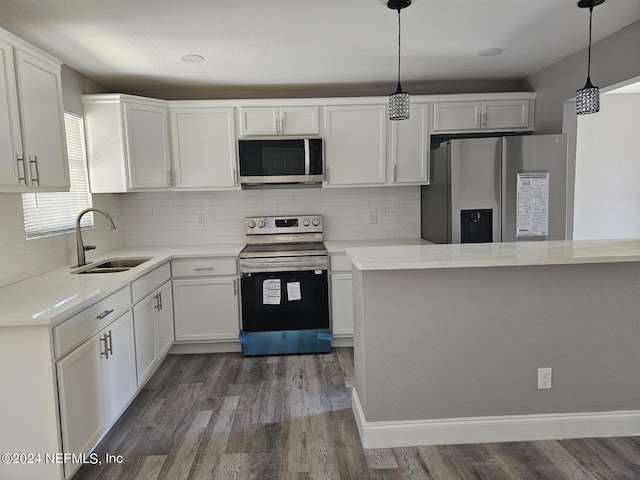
(113,265)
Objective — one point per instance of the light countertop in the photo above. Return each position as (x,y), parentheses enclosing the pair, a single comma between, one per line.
(561,252)
(339,246)
(53,296)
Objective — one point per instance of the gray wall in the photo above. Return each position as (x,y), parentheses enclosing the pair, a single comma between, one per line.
(614,60)
(448,343)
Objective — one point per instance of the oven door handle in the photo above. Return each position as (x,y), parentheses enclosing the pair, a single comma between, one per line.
(248,266)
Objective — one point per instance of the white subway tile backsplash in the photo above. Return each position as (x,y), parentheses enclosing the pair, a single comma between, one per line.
(174,214)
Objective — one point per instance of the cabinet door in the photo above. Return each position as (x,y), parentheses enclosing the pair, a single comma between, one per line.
(204,147)
(40,99)
(510,114)
(147,146)
(144,323)
(341,304)
(82,412)
(164,319)
(11,170)
(206,309)
(457,116)
(355,145)
(259,121)
(299,121)
(120,367)
(410,147)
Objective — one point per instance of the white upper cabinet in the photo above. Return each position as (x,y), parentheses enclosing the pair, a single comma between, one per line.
(11,168)
(32,139)
(291,120)
(147,145)
(204,148)
(491,115)
(410,141)
(127,143)
(355,144)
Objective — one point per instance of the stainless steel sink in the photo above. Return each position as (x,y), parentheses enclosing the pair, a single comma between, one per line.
(113,265)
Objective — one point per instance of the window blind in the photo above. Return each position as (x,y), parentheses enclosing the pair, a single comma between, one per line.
(52,213)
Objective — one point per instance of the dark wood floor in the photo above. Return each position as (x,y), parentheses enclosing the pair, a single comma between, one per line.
(222,416)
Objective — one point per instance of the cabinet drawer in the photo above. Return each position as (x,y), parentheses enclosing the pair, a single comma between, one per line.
(150,282)
(84,324)
(204,267)
(340,263)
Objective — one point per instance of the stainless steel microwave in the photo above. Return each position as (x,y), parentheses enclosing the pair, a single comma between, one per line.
(281,161)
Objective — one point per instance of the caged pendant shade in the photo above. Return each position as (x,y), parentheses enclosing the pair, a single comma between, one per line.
(399,100)
(588,97)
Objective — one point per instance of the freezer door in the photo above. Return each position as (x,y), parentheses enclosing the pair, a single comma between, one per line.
(435,204)
(475,182)
(534,154)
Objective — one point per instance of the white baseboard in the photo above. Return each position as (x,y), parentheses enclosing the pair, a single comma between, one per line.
(342,342)
(508,428)
(194,348)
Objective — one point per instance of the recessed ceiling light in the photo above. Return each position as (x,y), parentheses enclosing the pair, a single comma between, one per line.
(489,52)
(192,58)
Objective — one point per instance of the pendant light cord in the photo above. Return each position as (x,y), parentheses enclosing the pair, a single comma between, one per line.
(590,24)
(399,46)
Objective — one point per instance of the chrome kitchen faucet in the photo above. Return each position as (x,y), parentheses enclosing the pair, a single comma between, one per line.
(80,246)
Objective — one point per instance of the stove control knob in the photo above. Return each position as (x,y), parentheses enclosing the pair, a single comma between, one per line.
(306,222)
(316,222)
(252,224)
(260,223)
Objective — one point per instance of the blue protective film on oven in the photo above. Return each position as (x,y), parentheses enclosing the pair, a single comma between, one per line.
(246,337)
(324,336)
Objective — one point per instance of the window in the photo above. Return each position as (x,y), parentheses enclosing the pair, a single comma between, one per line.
(55,213)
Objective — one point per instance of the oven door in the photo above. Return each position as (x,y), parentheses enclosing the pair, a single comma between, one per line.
(285,300)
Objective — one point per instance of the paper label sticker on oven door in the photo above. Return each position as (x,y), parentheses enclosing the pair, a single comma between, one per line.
(271,291)
(318,272)
(293,291)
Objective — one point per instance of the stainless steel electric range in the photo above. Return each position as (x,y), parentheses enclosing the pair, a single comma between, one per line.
(284,286)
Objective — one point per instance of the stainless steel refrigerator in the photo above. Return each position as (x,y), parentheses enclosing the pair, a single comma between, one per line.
(498,189)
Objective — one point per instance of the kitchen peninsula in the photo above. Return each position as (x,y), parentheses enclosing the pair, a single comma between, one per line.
(449,339)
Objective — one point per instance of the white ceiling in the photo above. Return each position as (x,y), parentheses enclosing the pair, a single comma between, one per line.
(135,45)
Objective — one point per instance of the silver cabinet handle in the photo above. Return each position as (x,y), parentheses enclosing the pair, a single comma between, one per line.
(36,178)
(282,126)
(169,178)
(24,169)
(235,287)
(395,172)
(104,314)
(235,177)
(104,353)
(156,302)
(159,300)
(202,269)
(327,174)
(110,344)
(479,120)
(484,119)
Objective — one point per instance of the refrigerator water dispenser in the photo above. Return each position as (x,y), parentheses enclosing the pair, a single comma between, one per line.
(476,226)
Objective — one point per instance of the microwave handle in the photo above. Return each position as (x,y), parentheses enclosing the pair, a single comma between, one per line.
(307,157)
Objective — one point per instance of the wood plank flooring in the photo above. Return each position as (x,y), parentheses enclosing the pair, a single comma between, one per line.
(222,416)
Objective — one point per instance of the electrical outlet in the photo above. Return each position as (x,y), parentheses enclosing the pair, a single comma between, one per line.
(544,378)
(200,220)
(372,217)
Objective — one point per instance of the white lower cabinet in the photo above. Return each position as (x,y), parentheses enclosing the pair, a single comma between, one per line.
(341,296)
(206,309)
(153,322)
(96,381)
(205,294)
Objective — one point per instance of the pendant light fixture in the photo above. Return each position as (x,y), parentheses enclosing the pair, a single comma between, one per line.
(398,101)
(588,97)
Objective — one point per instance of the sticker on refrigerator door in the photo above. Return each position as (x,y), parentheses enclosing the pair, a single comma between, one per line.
(293,291)
(318,272)
(271,291)
(532,209)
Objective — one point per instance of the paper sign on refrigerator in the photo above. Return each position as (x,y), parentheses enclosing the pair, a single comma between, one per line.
(532,204)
